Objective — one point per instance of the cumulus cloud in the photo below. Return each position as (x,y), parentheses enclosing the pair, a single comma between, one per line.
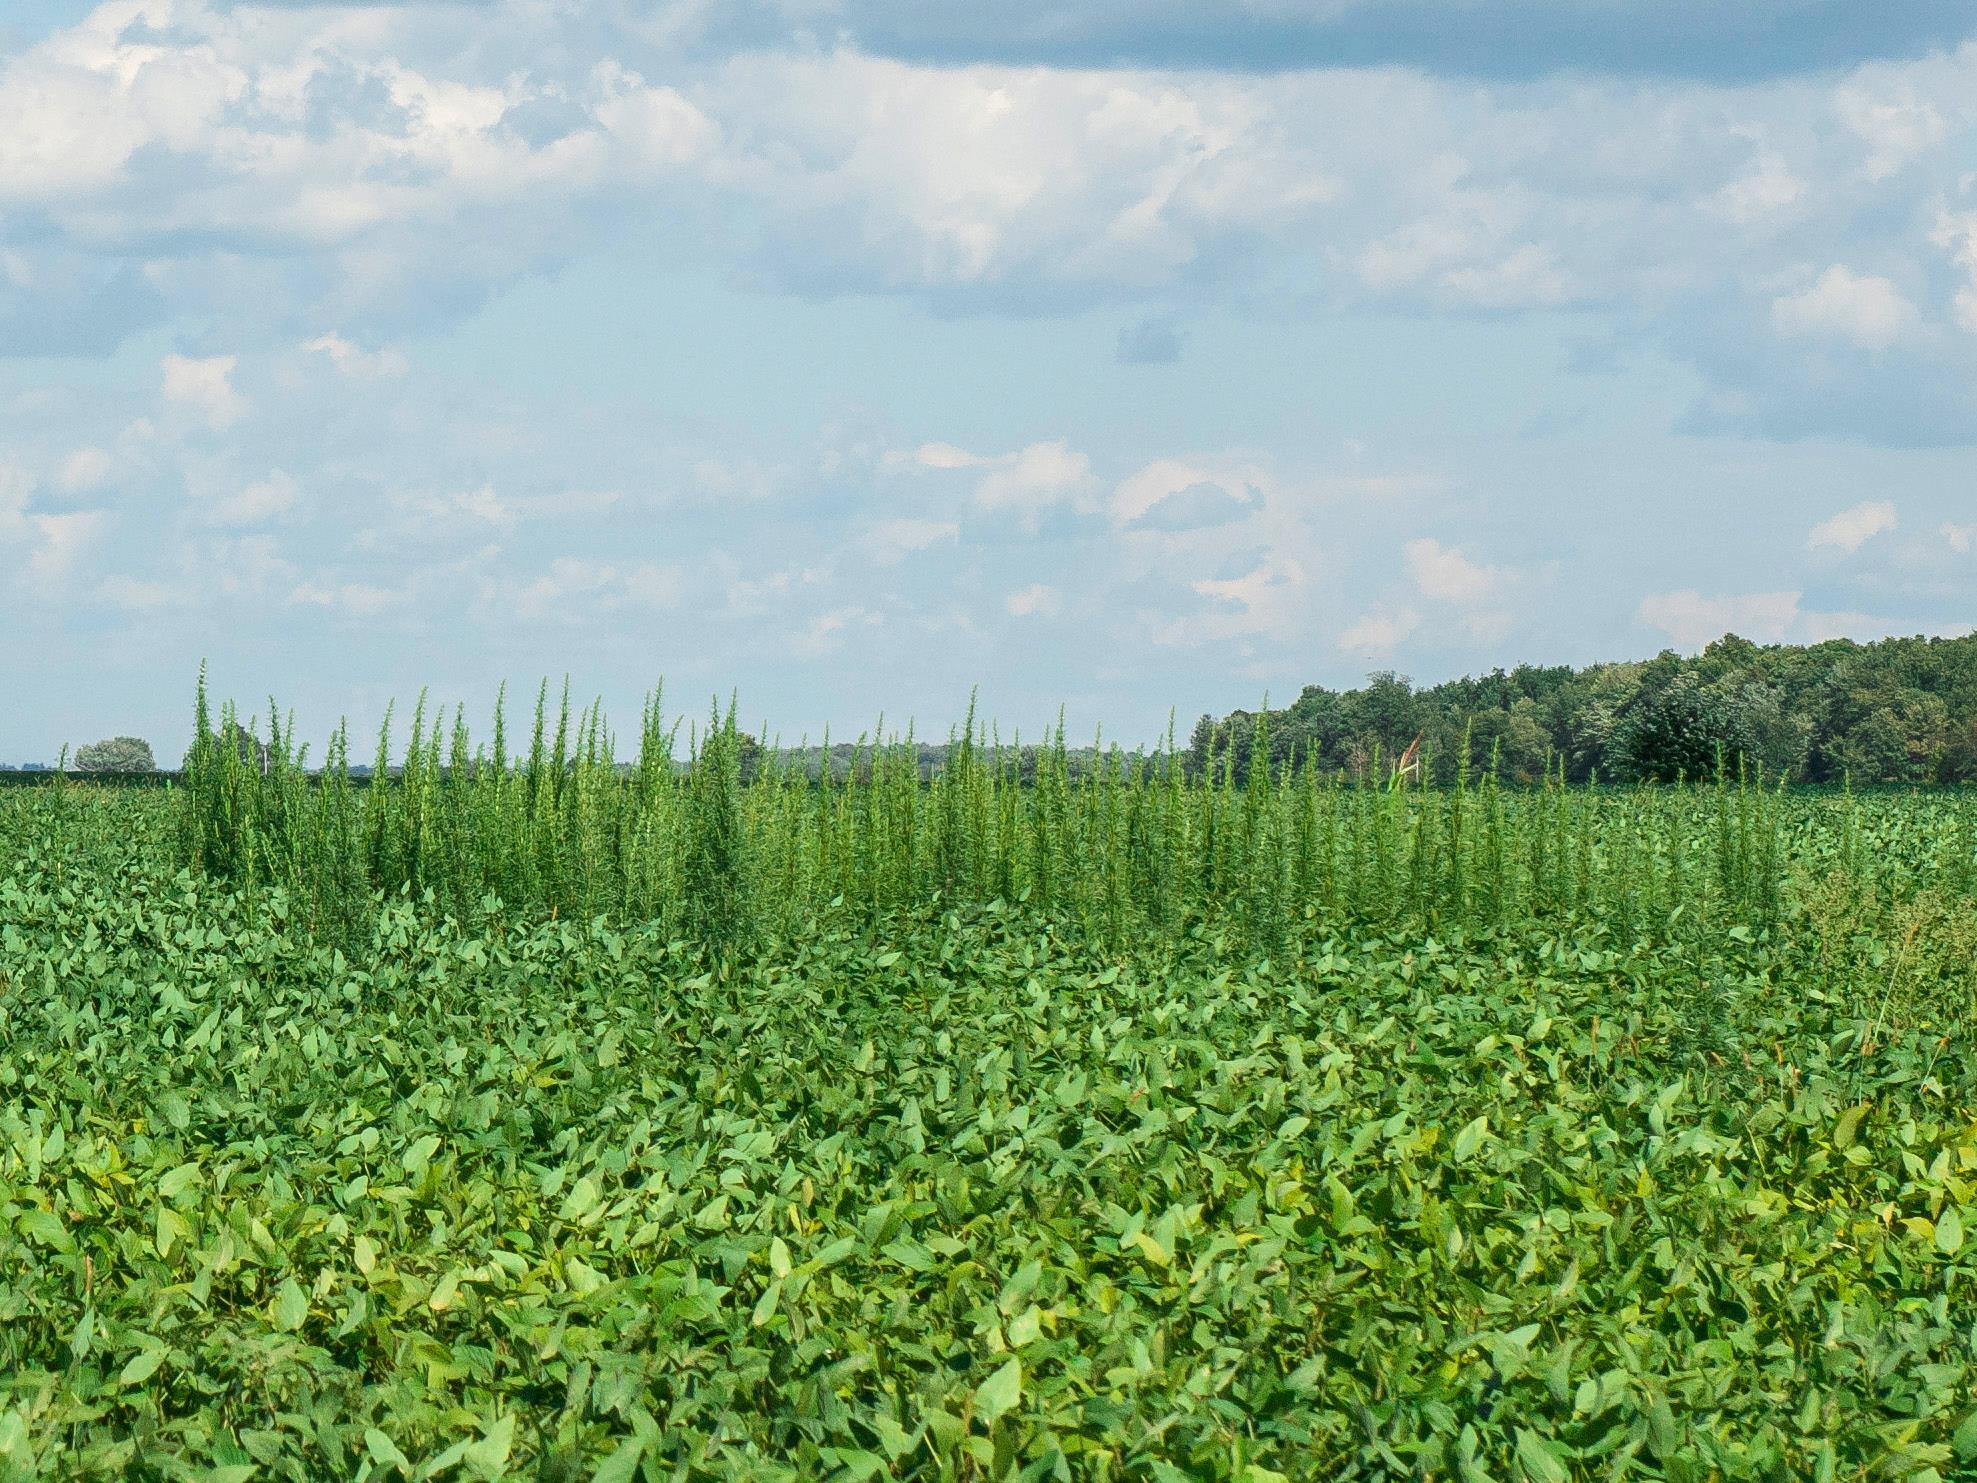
(1033,479)
(356,363)
(53,543)
(934,456)
(1174,494)
(1445,574)
(1265,601)
(1896,128)
(1853,528)
(1035,600)
(826,633)
(60,541)
(1867,310)
(255,503)
(204,388)
(1959,538)
(483,506)
(82,471)
(1025,483)
(389,174)
(1692,620)
(574,588)
(1379,635)
(1957,235)
(139,594)
(1769,186)
(890,542)
(357,599)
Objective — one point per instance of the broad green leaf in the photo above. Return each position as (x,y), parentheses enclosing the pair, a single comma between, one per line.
(291,1306)
(47,1228)
(1848,1126)
(998,1394)
(488,1458)
(1949,1231)
(622,1465)
(385,1452)
(141,1367)
(1469,1138)
(765,1306)
(1537,1462)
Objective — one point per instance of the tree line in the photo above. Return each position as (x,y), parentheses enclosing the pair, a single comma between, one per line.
(1896,711)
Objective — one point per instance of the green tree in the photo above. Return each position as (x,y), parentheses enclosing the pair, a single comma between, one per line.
(116,754)
(1678,731)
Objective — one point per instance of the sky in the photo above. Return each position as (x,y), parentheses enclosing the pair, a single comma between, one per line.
(851,356)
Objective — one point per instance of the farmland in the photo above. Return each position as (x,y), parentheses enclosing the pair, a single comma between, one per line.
(533,1114)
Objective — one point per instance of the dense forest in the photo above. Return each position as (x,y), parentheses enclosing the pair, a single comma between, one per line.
(1898,711)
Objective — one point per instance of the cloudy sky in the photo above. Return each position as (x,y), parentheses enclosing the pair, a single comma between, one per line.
(852,353)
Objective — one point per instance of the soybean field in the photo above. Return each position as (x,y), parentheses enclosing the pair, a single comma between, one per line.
(541,1112)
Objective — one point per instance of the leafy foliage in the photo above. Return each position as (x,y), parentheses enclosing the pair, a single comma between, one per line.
(1131,848)
(1898,711)
(951,1192)
(116,754)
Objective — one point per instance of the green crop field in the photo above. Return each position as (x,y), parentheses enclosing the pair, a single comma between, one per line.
(532,1114)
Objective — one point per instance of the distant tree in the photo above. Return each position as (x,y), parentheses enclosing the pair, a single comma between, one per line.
(1201,746)
(116,754)
(1900,710)
(1679,731)
(1959,762)
(1778,739)
(1386,711)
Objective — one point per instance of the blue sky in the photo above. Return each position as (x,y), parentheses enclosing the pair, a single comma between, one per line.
(852,354)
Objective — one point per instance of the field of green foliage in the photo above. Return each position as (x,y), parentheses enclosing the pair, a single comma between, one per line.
(572,1121)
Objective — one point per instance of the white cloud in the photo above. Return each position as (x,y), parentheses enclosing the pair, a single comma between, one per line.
(204,387)
(1692,620)
(1379,635)
(892,541)
(16,489)
(359,599)
(826,633)
(257,503)
(467,510)
(356,363)
(1853,528)
(250,566)
(1034,600)
(1263,602)
(574,588)
(1445,574)
(1895,129)
(1769,186)
(137,595)
(1858,307)
(937,456)
(1100,177)
(60,542)
(84,470)
(1959,538)
(1957,235)
(655,126)
(1024,483)
(1033,479)
(483,504)
(650,585)
(1150,488)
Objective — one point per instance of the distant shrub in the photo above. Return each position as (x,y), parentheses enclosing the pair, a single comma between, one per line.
(116,754)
